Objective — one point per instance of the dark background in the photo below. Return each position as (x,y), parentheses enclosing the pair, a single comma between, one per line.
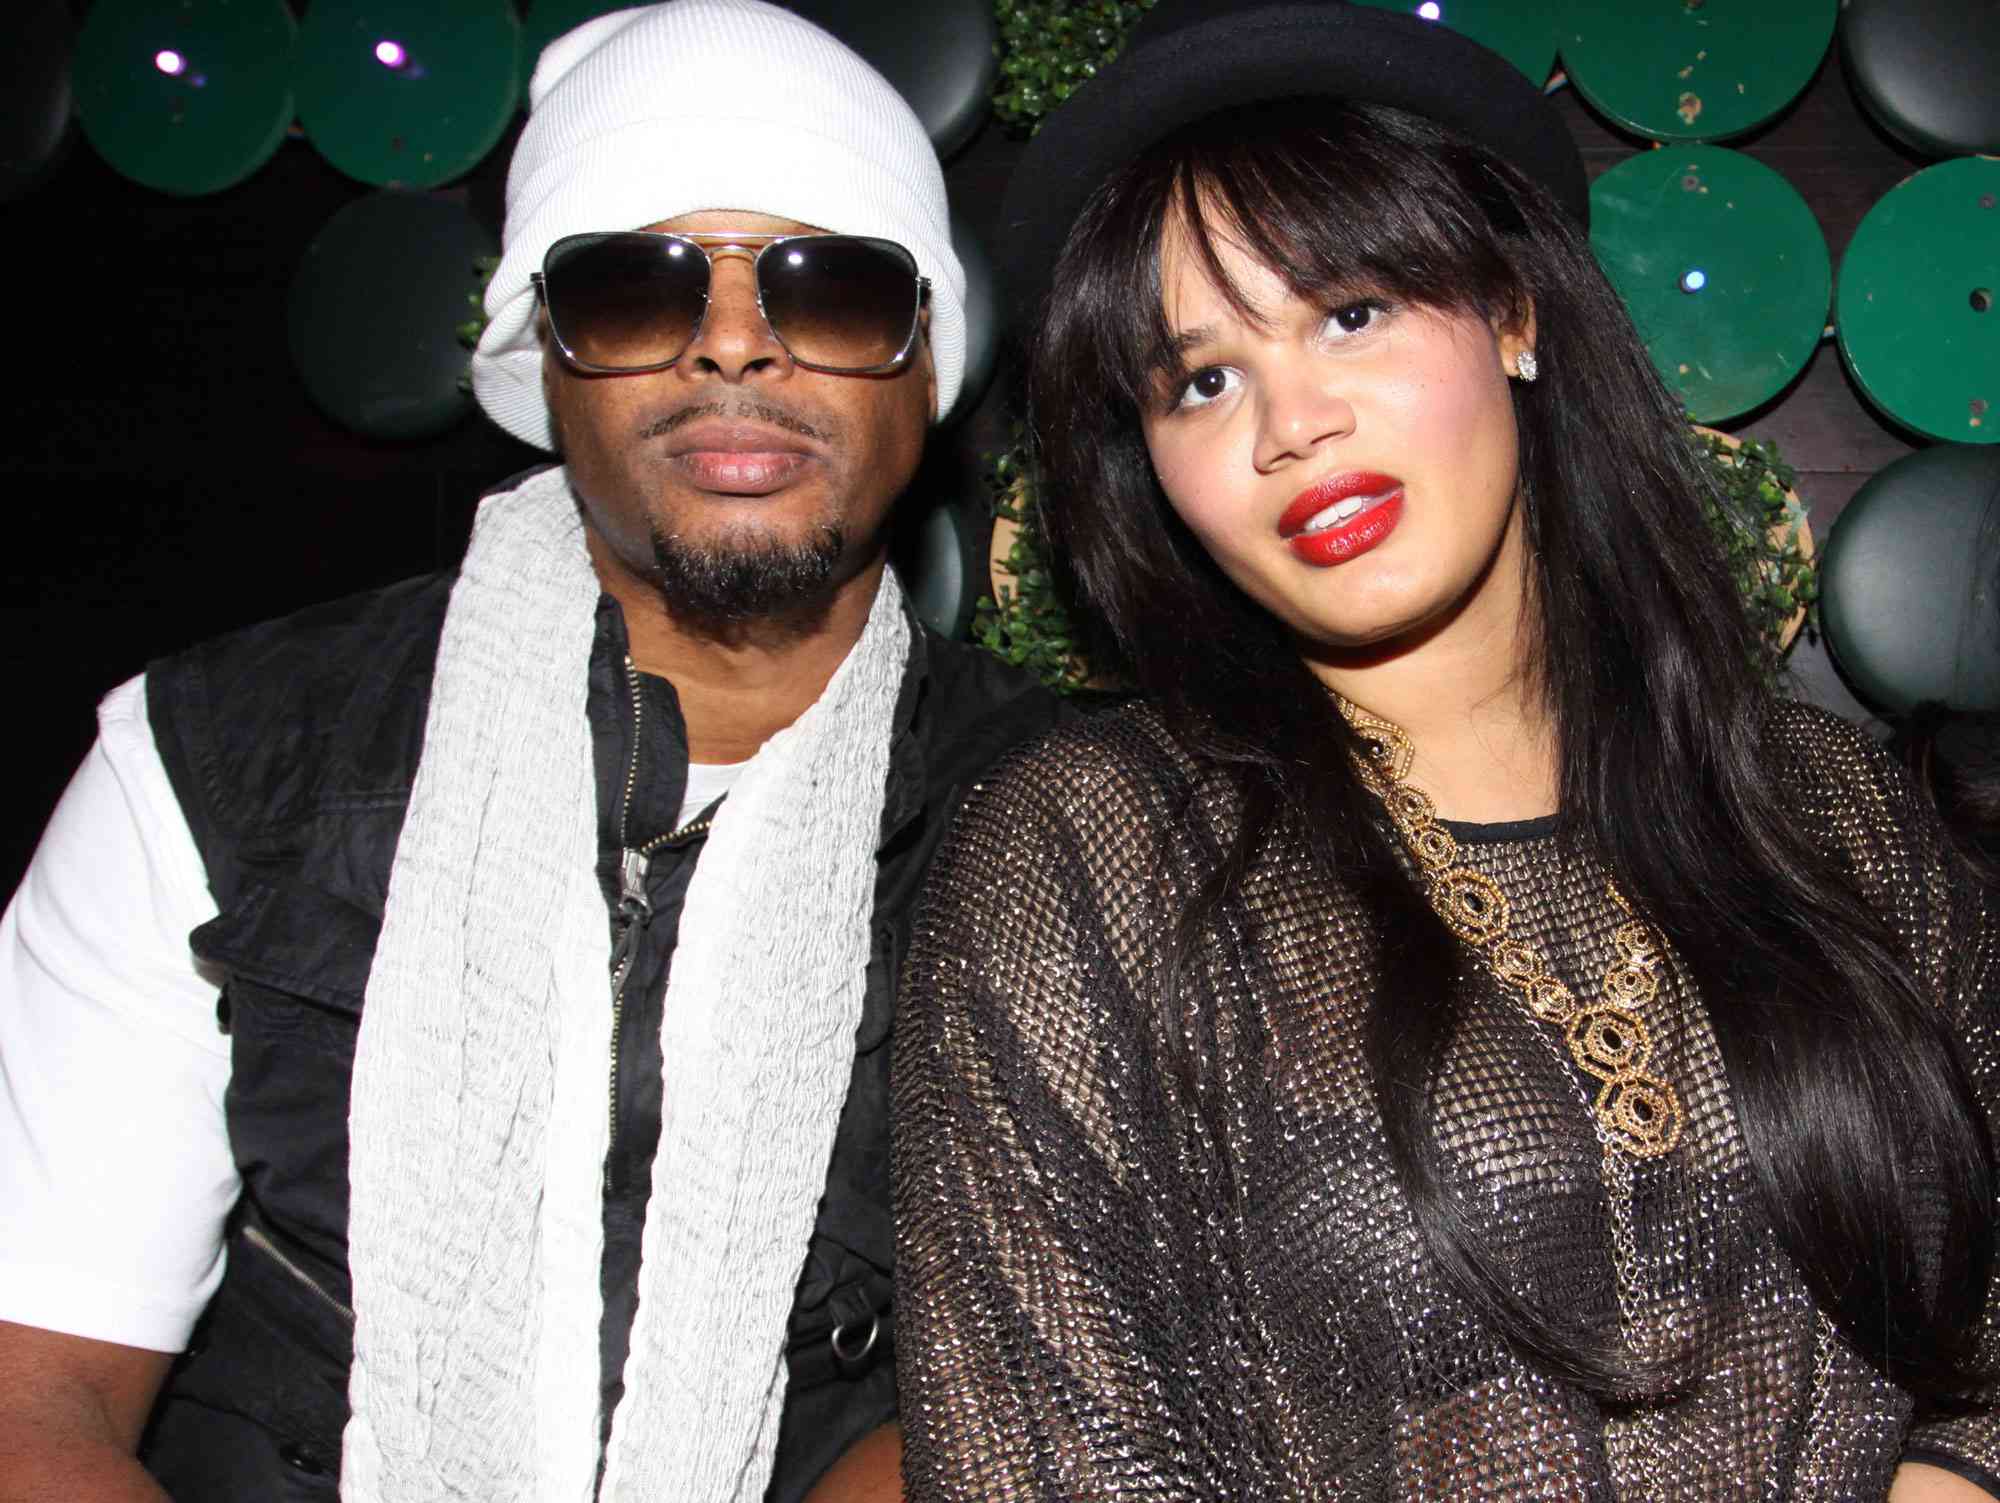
(167,476)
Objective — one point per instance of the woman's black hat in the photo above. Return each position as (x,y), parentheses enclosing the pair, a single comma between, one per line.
(1189,58)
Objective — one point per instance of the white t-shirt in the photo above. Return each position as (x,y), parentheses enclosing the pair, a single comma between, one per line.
(707,782)
(115,1166)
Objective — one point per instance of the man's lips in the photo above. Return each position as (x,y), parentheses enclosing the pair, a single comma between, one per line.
(1342,516)
(739,459)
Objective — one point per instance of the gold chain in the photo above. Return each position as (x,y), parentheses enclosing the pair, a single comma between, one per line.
(1638,1112)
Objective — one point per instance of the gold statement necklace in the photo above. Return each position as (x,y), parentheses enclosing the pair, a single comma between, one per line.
(1638,1113)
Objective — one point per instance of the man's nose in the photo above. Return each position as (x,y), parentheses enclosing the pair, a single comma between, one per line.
(735,340)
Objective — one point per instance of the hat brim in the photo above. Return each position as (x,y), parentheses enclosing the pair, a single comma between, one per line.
(1164,81)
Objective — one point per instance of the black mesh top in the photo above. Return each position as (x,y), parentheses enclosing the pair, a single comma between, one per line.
(1129,1270)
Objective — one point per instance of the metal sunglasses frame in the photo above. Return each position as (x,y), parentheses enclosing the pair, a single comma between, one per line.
(756,245)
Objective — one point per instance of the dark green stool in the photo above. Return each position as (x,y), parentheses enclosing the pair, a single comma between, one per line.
(939,537)
(982,316)
(1907,582)
(408,93)
(375,309)
(190,98)
(1722,267)
(939,55)
(548,19)
(1928,70)
(1523,33)
(1693,70)
(1915,309)
(34,117)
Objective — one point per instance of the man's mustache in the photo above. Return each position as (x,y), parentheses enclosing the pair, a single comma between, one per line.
(741,407)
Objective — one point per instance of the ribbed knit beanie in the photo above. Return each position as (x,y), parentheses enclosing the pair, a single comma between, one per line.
(669,109)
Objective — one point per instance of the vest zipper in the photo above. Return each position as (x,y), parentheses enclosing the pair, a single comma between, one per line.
(254,1235)
(635,909)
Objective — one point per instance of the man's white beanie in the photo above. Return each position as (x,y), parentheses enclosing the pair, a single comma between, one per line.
(644,114)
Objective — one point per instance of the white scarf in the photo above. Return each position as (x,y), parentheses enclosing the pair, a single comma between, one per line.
(479,1109)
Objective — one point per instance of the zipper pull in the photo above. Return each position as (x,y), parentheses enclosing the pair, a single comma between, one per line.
(635,909)
(632,897)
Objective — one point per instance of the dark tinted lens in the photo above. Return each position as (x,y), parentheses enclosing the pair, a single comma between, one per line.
(838,300)
(624,301)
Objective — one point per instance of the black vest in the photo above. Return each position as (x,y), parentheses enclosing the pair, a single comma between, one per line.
(291,747)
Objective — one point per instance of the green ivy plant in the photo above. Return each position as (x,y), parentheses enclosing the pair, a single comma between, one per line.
(1027,625)
(1761,527)
(474,326)
(1048,47)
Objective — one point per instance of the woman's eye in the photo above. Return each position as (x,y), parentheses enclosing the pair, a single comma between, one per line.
(1205,386)
(1354,318)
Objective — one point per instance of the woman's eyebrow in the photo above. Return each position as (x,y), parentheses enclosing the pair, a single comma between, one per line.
(1178,344)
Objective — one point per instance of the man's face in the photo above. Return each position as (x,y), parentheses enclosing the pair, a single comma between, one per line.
(736,483)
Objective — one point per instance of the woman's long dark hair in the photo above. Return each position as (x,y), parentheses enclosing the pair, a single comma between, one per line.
(1847,1088)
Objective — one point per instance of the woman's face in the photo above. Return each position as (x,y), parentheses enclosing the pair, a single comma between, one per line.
(1353,469)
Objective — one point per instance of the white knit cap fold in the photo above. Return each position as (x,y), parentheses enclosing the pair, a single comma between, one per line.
(668,109)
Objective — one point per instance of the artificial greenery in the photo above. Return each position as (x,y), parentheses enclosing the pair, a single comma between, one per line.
(1027,626)
(1761,528)
(473,327)
(1048,47)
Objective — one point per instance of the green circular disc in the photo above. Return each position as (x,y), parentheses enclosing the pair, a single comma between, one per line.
(408,93)
(1694,70)
(1907,582)
(186,96)
(548,19)
(375,308)
(1918,307)
(1525,34)
(1722,267)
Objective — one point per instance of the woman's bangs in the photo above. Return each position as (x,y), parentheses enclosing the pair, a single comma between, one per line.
(1342,201)
(1335,212)
(1338,200)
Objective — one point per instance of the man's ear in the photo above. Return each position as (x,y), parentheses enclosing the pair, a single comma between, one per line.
(550,357)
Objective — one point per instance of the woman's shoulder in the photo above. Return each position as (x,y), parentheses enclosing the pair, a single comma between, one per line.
(1121,755)
(1814,750)
(1069,834)
(1844,785)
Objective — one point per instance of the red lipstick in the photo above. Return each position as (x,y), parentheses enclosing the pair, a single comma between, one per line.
(1342,517)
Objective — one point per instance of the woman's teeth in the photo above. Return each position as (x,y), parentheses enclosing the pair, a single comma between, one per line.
(1340,512)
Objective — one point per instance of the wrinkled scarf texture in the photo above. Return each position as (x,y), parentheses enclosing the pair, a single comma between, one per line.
(479,1114)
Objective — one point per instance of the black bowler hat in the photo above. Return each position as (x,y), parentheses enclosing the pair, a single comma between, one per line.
(1189,58)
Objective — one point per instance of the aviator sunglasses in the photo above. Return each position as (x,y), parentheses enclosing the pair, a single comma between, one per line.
(622,302)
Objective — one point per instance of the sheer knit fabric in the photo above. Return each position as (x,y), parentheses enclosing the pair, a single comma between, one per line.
(1134,1269)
